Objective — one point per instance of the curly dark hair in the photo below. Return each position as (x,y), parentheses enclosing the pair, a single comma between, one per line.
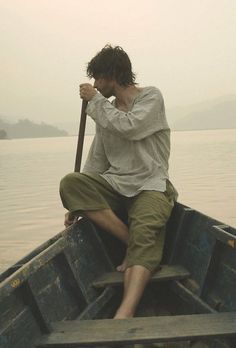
(112,62)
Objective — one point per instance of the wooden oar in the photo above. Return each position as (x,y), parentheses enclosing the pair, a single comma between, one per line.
(80,144)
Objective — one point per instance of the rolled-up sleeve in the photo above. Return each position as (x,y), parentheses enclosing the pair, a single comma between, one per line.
(96,161)
(146,117)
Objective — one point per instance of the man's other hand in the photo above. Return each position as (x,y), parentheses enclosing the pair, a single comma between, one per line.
(69,220)
(87,91)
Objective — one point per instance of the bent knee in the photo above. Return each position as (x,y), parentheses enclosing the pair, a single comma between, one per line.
(69,180)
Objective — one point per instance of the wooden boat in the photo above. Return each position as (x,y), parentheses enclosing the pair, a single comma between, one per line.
(64,293)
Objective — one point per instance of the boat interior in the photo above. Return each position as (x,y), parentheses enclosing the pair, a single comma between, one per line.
(65,293)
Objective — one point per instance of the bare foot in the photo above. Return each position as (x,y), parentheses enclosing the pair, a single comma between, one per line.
(69,219)
(123,266)
(120,315)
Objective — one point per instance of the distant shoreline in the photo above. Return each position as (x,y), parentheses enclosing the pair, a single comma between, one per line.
(91,134)
(194,130)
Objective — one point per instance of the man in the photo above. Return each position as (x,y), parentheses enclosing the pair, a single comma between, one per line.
(127,166)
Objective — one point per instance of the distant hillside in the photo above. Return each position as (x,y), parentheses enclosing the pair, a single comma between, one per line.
(28,129)
(72,127)
(218,113)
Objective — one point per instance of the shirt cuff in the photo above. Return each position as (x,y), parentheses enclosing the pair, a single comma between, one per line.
(92,103)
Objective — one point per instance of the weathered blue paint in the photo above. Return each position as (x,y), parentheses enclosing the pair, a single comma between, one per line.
(54,282)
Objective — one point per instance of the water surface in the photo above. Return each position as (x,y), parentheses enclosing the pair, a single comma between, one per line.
(202,167)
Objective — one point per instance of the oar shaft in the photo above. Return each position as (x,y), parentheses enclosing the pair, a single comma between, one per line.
(80,144)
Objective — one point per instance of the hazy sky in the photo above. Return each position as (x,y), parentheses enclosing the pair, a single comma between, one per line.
(185,47)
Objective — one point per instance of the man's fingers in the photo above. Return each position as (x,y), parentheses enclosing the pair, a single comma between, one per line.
(87,91)
(85,84)
(68,221)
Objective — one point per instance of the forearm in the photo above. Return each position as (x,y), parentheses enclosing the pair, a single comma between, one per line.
(146,117)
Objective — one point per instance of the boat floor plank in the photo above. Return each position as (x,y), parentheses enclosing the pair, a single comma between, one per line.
(166,272)
(96,306)
(140,330)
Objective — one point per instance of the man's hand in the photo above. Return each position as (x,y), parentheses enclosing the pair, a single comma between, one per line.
(69,220)
(87,91)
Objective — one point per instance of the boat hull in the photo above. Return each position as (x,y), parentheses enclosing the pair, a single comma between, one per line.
(55,282)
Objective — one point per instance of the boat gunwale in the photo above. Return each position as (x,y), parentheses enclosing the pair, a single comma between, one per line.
(16,279)
(28,257)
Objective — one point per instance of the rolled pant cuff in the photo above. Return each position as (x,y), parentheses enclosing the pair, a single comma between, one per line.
(150,267)
(88,208)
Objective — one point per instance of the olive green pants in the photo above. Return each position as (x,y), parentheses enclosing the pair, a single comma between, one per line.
(147,213)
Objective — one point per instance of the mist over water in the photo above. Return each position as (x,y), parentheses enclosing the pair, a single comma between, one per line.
(202,168)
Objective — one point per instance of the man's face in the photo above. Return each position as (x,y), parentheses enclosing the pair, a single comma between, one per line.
(104,86)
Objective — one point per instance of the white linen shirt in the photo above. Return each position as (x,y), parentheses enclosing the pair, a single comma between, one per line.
(130,149)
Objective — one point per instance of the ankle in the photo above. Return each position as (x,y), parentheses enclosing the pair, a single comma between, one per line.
(123,314)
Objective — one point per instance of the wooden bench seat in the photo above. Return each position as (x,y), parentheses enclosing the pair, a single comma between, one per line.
(166,272)
(107,332)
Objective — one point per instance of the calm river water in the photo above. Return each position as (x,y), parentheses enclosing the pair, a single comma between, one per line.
(202,168)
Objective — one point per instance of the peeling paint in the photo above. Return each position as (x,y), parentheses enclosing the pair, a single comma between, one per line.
(15,283)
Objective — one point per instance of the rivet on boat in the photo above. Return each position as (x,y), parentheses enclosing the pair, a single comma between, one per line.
(15,283)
